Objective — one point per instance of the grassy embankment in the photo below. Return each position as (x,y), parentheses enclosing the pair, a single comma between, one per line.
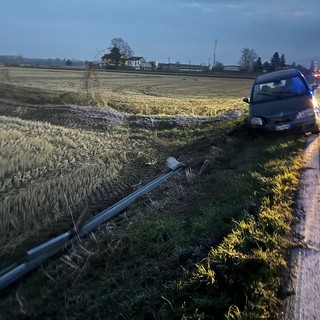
(209,245)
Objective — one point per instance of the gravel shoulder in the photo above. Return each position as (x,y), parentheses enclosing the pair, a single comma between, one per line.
(304,276)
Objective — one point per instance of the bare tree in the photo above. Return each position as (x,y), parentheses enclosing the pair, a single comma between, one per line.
(247,59)
(123,47)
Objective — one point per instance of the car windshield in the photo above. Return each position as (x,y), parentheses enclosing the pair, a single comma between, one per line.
(279,89)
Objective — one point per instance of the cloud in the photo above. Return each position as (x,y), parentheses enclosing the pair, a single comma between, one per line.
(208,6)
(181,28)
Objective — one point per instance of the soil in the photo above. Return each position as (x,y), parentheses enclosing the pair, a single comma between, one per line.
(304,279)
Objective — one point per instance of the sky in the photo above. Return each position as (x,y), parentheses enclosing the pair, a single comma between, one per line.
(162,30)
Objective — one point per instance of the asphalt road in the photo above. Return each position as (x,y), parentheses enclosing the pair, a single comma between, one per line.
(305,302)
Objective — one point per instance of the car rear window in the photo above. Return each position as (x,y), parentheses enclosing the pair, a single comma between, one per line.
(278,89)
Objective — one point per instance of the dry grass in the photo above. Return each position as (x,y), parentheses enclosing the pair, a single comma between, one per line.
(49,171)
(174,106)
(133,93)
(156,85)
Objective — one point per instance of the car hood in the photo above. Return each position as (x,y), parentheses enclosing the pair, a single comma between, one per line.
(281,107)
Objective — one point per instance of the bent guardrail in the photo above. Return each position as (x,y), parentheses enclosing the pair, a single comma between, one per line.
(40,254)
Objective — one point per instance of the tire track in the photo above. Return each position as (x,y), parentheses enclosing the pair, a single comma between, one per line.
(69,116)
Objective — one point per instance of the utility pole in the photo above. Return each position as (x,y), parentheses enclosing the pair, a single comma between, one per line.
(214,53)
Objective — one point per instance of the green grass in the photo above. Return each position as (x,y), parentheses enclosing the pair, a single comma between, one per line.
(240,278)
(219,258)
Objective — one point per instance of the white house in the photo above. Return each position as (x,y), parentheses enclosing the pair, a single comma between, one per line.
(135,62)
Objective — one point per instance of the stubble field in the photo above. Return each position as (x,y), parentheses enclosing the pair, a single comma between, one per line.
(75,141)
(72,139)
(128,92)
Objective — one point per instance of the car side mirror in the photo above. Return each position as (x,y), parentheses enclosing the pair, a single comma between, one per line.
(314,87)
(246,100)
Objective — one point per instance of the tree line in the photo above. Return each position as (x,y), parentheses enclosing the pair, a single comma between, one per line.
(250,61)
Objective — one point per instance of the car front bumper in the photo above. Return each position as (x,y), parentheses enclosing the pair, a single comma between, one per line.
(302,125)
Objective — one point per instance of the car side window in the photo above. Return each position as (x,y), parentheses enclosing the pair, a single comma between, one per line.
(298,85)
(260,91)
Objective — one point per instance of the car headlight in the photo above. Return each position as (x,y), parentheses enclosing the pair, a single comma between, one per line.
(255,121)
(305,113)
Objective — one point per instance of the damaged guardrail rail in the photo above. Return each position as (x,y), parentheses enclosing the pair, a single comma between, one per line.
(40,254)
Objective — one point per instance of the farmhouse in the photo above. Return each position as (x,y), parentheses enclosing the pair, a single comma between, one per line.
(109,61)
(135,62)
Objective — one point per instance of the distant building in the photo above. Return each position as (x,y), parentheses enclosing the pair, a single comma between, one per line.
(108,61)
(232,68)
(136,63)
(180,67)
